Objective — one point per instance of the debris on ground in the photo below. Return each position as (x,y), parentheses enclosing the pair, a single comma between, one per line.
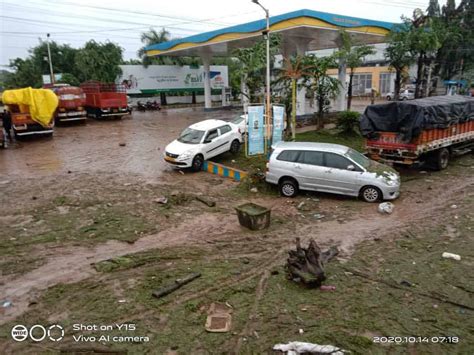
(219,318)
(181,172)
(178,283)
(318,216)
(451,256)
(6,304)
(122,144)
(301,204)
(307,265)
(205,201)
(386,207)
(162,200)
(454,206)
(327,288)
(253,189)
(299,347)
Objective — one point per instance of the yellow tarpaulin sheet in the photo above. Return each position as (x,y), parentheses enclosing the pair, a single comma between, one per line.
(41,102)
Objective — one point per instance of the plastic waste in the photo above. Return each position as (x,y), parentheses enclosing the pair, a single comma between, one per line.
(451,256)
(386,207)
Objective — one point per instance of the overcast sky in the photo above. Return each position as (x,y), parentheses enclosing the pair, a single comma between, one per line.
(122,21)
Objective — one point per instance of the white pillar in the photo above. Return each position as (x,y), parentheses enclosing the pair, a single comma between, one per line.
(301,48)
(341,75)
(206,60)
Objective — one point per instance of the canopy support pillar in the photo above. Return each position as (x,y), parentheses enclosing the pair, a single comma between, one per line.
(206,63)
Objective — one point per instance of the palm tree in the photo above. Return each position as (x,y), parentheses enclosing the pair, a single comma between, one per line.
(324,86)
(152,37)
(149,38)
(354,57)
(294,69)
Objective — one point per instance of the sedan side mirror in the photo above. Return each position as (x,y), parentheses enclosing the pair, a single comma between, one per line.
(351,167)
(207,141)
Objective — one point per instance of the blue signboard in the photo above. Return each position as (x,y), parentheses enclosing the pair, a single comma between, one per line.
(256,134)
(278,123)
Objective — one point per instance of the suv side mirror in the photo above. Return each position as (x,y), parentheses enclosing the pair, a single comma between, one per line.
(351,167)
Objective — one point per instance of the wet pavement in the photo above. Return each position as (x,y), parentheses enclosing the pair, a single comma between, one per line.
(95,146)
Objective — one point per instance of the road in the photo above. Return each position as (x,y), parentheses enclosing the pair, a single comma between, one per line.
(94,146)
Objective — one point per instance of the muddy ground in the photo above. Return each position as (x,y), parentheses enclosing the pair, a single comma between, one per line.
(82,241)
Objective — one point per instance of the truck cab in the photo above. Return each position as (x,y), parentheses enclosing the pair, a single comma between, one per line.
(72,102)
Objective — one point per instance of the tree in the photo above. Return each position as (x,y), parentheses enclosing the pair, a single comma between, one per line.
(294,69)
(99,61)
(153,37)
(354,56)
(29,71)
(322,85)
(26,73)
(433,9)
(251,64)
(398,53)
(424,42)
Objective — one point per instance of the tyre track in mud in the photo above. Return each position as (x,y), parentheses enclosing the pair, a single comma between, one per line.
(74,264)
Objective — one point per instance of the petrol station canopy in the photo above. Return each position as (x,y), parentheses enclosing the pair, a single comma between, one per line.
(313,30)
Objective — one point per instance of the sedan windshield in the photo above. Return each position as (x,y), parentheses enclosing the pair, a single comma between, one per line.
(191,136)
(358,158)
(237,120)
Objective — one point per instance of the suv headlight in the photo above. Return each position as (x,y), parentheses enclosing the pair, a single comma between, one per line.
(390,182)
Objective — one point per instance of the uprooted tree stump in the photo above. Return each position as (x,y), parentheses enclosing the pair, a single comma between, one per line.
(307,264)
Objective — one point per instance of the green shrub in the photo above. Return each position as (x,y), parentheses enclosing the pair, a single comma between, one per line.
(348,121)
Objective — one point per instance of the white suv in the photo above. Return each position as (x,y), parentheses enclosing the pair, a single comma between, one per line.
(202,141)
(330,168)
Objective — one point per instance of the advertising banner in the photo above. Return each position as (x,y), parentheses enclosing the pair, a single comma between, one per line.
(171,78)
(256,132)
(278,123)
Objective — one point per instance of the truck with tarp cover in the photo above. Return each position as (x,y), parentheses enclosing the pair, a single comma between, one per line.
(424,130)
(32,110)
(105,99)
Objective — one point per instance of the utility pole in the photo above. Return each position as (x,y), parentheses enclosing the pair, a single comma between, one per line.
(49,60)
(266,33)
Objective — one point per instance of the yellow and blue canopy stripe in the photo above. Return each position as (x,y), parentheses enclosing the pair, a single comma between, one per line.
(289,20)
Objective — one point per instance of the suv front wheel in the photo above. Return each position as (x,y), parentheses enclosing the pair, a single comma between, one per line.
(288,188)
(371,194)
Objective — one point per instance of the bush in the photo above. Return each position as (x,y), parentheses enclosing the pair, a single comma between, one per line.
(348,121)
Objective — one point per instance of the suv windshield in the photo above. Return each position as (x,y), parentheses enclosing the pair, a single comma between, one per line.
(358,158)
(191,136)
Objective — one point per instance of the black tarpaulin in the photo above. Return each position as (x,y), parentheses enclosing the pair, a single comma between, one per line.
(410,118)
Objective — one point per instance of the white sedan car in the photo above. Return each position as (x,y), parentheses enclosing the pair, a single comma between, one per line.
(407,94)
(202,141)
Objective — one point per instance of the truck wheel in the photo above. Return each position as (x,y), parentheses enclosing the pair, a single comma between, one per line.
(371,194)
(288,188)
(235,146)
(197,162)
(441,159)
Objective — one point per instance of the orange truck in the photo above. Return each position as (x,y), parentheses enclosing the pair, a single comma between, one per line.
(72,102)
(32,111)
(105,99)
(430,130)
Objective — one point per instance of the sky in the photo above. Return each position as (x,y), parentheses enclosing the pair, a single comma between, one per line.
(122,21)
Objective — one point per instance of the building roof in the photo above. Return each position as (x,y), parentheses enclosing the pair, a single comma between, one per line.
(318,29)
